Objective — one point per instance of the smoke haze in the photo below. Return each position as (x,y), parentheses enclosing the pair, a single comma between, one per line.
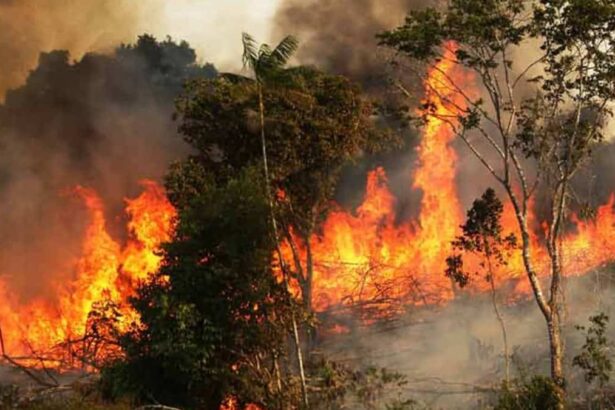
(212,27)
(105,121)
(339,35)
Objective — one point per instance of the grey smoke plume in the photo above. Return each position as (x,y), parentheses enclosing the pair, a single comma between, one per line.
(453,355)
(32,26)
(105,122)
(339,35)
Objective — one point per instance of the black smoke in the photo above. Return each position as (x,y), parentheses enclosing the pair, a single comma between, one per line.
(105,122)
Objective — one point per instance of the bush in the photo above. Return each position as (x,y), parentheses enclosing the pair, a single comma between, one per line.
(538,393)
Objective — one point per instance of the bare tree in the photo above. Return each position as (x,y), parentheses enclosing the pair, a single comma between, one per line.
(528,141)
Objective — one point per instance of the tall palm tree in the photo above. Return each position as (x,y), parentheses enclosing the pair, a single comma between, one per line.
(266,64)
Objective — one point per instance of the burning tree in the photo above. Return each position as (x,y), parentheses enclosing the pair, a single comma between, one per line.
(538,119)
(314,123)
(213,320)
(216,319)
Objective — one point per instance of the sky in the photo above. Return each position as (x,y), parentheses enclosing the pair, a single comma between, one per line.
(212,27)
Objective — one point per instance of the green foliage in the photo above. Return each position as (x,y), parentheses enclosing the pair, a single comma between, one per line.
(315,124)
(337,386)
(477,23)
(538,393)
(482,235)
(214,319)
(265,62)
(575,39)
(594,358)
(167,63)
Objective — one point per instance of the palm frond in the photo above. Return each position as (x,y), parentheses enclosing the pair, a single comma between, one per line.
(250,53)
(264,50)
(264,61)
(284,51)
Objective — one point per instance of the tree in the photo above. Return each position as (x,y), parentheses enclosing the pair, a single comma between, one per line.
(265,64)
(482,235)
(316,123)
(594,359)
(539,118)
(214,320)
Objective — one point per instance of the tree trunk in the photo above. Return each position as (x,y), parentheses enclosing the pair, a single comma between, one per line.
(555,302)
(557,358)
(309,274)
(550,310)
(498,314)
(554,327)
(261,109)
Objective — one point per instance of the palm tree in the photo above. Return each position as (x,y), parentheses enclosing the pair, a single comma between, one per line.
(266,64)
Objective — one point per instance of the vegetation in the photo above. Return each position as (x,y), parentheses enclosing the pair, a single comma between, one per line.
(530,142)
(215,320)
(594,359)
(482,235)
(229,317)
(538,393)
(315,124)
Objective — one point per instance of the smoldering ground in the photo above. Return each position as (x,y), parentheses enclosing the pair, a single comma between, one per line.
(453,355)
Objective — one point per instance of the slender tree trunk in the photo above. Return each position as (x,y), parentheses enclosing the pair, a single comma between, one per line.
(549,309)
(557,358)
(309,275)
(296,338)
(554,328)
(498,315)
(555,302)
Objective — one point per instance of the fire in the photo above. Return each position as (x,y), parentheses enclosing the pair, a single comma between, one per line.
(231,404)
(367,258)
(105,272)
(364,258)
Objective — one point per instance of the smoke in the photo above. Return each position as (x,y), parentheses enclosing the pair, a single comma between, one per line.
(105,122)
(340,35)
(444,351)
(32,26)
(93,115)
(452,356)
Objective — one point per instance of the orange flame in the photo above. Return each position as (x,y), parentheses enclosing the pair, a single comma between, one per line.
(231,403)
(361,258)
(106,271)
(366,258)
